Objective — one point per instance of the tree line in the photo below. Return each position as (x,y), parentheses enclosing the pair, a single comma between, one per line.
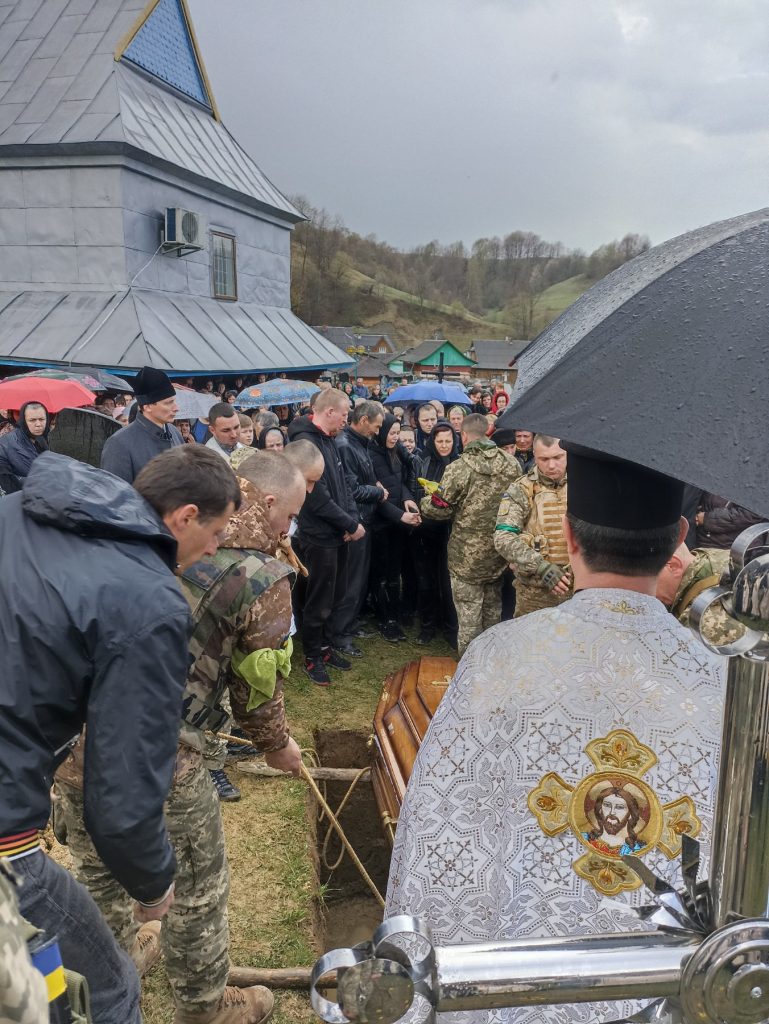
(501,278)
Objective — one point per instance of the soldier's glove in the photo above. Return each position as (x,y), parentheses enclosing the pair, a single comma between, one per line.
(550,575)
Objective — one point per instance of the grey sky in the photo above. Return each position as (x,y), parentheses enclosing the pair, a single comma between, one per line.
(449,119)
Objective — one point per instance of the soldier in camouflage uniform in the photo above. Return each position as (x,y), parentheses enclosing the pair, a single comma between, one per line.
(528,532)
(241,606)
(23,995)
(685,576)
(468,495)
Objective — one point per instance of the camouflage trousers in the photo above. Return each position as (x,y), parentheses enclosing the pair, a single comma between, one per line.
(195,933)
(530,598)
(479,607)
(23,995)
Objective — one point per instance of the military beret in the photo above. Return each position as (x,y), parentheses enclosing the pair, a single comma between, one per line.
(607,491)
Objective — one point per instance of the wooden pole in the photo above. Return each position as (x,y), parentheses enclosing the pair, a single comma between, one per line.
(282,977)
(319,774)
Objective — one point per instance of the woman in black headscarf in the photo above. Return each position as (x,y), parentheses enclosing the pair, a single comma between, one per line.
(436,606)
(398,511)
(20,448)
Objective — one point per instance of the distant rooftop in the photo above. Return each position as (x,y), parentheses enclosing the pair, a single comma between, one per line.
(496,355)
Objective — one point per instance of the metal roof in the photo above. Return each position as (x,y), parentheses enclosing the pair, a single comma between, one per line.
(496,355)
(183,333)
(61,84)
(422,352)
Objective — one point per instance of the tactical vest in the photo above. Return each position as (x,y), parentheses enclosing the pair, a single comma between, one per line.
(543,530)
(214,592)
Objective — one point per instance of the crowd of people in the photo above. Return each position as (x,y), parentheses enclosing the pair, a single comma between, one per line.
(333,524)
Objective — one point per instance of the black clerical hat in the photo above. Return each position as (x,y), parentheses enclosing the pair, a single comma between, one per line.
(607,491)
(151,385)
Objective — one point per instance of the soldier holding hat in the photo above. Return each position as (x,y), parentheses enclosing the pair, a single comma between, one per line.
(567,738)
(153,432)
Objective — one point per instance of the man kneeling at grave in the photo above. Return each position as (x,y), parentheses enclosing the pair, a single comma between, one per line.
(568,737)
(241,607)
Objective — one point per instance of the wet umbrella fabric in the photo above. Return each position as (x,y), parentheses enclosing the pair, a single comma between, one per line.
(666,363)
(94,378)
(426,391)
(55,395)
(276,392)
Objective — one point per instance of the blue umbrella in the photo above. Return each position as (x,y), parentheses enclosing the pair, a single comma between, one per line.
(277,392)
(426,391)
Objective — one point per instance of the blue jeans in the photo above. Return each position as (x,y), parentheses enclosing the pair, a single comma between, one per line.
(51,899)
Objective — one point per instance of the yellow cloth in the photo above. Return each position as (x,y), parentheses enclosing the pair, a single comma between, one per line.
(260,670)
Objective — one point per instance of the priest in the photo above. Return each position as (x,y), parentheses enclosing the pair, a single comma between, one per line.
(567,738)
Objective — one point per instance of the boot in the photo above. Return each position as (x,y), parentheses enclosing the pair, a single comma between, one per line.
(251,1005)
(145,951)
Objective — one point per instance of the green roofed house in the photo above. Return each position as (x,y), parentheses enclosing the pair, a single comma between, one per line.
(425,358)
(133,228)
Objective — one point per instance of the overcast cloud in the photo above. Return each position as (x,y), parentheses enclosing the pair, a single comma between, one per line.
(456,119)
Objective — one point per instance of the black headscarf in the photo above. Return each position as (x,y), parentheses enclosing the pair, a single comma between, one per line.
(261,441)
(41,442)
(434,464)
(381,439)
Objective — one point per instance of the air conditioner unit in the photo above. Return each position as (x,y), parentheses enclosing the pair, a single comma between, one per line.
(184,231)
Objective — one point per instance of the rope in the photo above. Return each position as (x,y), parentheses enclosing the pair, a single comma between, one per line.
(326,811)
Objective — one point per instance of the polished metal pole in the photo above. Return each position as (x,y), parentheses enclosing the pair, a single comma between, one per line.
(570,969)
(739,861)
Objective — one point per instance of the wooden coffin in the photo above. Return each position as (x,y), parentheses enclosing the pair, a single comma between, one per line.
(406,707)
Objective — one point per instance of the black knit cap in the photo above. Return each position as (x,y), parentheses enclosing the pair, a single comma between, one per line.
(503,436)
(151,385)
(607,491)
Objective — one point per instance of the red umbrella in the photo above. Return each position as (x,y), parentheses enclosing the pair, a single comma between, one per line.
(55,395)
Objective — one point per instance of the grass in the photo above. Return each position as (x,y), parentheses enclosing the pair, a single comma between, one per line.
(275,896)
(558,297)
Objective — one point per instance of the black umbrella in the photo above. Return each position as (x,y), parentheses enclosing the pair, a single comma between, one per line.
(666,363)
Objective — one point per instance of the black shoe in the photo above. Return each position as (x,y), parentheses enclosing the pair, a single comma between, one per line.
(224,788)
(363,633)
(239,751)
(399,631)
(316,670)
(349,650)
(426,636)
(332,659)
(391,632)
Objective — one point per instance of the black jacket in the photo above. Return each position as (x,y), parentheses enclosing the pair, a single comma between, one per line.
(355,452)
(724,522)
(93,630)
(329,510)
(394,478)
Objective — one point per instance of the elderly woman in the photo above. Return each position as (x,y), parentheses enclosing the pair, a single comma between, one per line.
(272,439)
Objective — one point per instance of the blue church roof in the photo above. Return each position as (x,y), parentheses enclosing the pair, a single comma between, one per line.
(164,47)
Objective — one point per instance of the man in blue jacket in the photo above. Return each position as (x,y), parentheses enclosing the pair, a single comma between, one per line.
(76,650)
(153,432)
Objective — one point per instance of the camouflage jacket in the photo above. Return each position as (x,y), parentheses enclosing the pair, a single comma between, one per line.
(705,571)
(469,496)
(240,600)
(528,533)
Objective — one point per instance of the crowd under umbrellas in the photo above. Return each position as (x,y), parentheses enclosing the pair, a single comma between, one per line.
(406,515)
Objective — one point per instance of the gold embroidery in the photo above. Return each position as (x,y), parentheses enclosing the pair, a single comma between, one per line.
(621,607)
(613,812)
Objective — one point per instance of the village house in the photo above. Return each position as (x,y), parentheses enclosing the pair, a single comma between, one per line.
(496,359)
(425,359)
(133,228)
